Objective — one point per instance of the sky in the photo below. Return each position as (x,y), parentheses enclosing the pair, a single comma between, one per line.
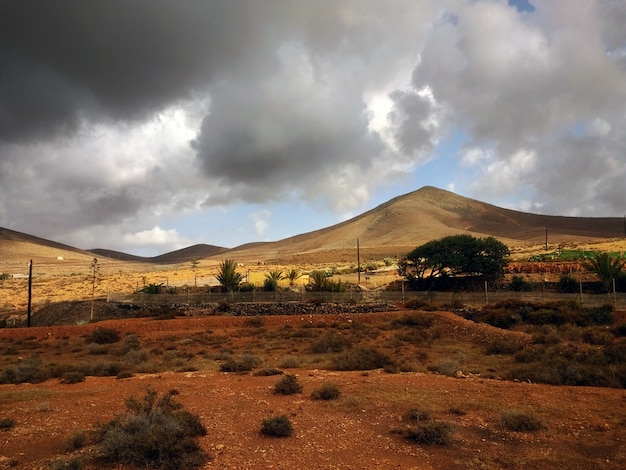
(146,126)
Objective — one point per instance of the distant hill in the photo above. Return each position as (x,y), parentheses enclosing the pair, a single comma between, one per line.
(391,228)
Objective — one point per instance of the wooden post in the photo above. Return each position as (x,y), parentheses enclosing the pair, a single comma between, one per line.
(30,291)
(358,263)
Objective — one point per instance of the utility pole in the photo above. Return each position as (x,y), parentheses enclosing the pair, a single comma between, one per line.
(30,291)
(94,267)
(358,263)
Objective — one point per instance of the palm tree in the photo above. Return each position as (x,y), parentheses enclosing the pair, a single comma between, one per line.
(318,280)
(293,275)
(271,280)
(228,277)
(606,268)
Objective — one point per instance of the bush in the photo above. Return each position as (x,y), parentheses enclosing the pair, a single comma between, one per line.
(519,284)
(245,363)
(268,371)
(415,414)
(568,284)
(154,432)
(429,432)
(329,343)
(103,336)
(28,370)
(6,424)
(73,463)
(361,358)
(277,427)
(75,441)
(520,421)
(72,377)
(329,391)
(288,385)
(254,322)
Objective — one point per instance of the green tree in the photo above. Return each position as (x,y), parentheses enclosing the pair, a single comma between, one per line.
(272,279)
(317,280)
(455,255)
(606,268)
(293,275)
(227,276)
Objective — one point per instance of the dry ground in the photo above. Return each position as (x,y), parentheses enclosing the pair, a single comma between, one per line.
(585,427)
(71,278)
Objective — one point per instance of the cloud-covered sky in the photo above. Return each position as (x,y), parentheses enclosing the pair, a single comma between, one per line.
(150,125)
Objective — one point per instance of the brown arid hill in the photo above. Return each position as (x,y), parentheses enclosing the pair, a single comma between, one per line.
(429,213)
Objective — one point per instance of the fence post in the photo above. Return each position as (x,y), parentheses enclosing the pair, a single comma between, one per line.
(486,295)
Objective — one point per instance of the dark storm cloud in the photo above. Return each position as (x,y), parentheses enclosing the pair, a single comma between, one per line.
(64,61)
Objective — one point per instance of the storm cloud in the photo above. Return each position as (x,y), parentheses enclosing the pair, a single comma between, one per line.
(116,114)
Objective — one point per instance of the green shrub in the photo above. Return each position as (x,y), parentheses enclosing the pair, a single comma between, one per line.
(288,385)
(154,432)
(103,335)
(328,391)
(6,424)
(361,358)
(277,427)
(520,421)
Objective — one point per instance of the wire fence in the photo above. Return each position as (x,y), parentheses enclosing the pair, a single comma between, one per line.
(476,299)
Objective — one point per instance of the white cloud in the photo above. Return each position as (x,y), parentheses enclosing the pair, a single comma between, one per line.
(155,237)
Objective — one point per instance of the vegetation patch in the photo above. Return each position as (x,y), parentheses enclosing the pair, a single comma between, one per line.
(288,385)
(520,421)
(155,432)
(361,358)
(328,391)
(279,426)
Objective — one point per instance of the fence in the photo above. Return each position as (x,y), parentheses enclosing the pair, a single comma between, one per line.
(476,299)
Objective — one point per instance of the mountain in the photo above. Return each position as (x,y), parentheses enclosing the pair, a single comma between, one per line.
(391,229)
(430,213)
(183,255)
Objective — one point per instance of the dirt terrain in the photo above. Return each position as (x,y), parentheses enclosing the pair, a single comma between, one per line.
(584,427)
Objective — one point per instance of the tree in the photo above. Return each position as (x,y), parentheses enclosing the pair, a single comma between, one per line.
(317,280)
(606,268)
(455,255)
(228,277)
(271,280)
(293,275)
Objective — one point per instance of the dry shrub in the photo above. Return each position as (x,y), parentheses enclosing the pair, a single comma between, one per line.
(288,385)
(520,421)
(279,426)
(328,391)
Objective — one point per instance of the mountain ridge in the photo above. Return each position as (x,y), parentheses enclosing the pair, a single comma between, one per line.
(404,221)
